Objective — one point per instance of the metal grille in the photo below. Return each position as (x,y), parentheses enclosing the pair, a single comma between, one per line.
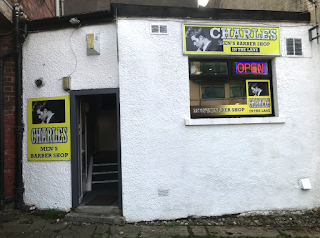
(159,29)
(163,29)
(154,29)
(294,46)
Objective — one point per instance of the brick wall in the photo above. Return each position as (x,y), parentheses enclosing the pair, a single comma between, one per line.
(6,45)
(37,9)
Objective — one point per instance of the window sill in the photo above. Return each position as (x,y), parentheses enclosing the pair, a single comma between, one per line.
(234,121)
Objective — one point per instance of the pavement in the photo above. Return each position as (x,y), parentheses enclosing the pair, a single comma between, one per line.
(16,224)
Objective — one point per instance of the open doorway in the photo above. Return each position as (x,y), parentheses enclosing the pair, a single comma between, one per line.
(95,146)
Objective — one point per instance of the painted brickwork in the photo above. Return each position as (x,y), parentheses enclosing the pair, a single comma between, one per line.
(6,45)
(37,9)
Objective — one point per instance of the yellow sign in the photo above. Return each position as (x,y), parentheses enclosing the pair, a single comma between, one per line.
(258,103)
(258,97)
(49,129)
(231,40)
(90,41)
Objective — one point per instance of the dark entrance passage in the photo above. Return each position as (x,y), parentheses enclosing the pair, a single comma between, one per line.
(95,147)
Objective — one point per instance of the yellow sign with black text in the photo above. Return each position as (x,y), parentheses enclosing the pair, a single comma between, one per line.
(231,40)
(258,97)
(49,129)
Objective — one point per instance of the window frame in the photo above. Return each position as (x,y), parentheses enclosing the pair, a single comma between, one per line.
(207,78)
(293,47)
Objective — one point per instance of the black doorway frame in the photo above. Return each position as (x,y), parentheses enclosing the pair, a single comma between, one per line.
(74,95)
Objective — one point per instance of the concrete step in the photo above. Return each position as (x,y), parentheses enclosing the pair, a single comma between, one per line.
(96,218)
(99,210)
(99,214)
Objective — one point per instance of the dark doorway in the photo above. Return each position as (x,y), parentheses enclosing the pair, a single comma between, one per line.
(95,146)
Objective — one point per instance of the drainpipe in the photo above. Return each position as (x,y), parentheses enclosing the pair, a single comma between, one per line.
(316,12)
(19,186)
(2,194)
(62,7)
(57,8)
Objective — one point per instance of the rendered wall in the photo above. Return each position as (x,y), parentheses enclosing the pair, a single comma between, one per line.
(53,55)
(171,170)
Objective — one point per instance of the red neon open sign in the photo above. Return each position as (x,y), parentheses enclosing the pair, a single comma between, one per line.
(251,68)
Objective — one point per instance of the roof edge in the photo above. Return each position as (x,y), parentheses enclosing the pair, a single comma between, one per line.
(128,10)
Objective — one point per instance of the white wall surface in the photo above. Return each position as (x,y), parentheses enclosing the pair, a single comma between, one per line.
(171,170)
(53,55)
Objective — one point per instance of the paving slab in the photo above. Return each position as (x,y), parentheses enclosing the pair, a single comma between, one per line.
(163,231)
(13,227)
(242,231)
(54,226)
(199,230)
(302,232)
(84,230)
(40,234)
(6,217)
(67,233)
(101,229)
(125,231)
(18,235)
(37,225)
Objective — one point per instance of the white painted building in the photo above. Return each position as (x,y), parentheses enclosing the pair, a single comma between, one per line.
(171,165)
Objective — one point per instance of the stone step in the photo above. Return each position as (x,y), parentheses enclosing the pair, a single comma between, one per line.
(99,210)
(99,214)
(96,218)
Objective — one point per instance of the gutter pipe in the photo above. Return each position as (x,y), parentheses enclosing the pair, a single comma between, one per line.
(57,8)
(19,128)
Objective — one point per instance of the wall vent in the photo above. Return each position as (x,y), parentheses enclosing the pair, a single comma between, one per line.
(294,46)
(159,29)
(163,192)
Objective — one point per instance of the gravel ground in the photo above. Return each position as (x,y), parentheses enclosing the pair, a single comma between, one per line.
(275,219)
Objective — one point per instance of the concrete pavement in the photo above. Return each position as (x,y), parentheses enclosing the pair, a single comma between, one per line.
(14,223)
(39,227)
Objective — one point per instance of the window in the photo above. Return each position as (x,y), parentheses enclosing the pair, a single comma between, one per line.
(294,46)
(230,88)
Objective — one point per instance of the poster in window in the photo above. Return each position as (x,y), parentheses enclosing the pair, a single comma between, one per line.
(49,129)
(258,97)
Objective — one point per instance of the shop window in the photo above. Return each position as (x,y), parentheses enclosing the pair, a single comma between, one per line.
(230,88)
(238,90)
(294,46)
(212,91)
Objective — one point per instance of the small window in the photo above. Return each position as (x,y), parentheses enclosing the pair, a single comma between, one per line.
(159,29)
(294,46)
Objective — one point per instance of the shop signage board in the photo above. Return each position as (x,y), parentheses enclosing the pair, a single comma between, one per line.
(49,129)
(231,40)
(258,103)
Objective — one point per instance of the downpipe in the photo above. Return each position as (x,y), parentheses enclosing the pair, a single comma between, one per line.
(19,128)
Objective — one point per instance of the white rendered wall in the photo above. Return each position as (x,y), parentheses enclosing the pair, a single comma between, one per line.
(171,170)
(53,55)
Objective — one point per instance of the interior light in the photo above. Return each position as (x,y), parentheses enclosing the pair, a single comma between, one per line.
(202,3)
